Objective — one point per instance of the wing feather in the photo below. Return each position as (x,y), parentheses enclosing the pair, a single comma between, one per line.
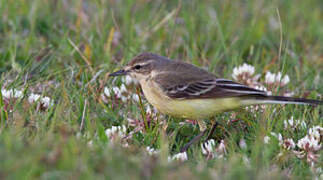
(210,88)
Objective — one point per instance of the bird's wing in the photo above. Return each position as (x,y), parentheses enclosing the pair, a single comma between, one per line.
(204,88)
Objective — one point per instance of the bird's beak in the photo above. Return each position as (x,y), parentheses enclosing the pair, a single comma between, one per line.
(121,72)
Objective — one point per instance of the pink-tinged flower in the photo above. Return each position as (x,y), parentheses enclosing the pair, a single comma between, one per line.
(179,157)
(245,75)
(134,122)
(9,97)
(43,101)
(288,144)
(221,149)
(273,81)
(11,93)
(209,150)
(116,131)
(139,125)
(309,143)
(316,132)
(117,134)
(244,69)
(189,121)
(117,91)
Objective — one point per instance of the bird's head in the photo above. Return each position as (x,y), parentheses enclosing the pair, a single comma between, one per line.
(142,66)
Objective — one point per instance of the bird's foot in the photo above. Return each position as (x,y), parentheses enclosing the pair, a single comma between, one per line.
(195,139)
(199,136)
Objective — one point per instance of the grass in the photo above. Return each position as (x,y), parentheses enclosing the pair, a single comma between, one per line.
(65,50)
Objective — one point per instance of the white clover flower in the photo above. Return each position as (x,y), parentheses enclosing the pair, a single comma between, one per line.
(316,132)
(180,157)
(271,78)
(11,93)
(280,139)
(124,98)
(266,139)
(45,101)
(285,80)
(291,123)
(242,143)
(245,68)
(128,80)
(33,98)
(107,92)
(209,150)
(135,97)
(221,149)
(309,145)
(285,124)
(208,147)
(5,93)
(260,87)
(116,91)
(119,131)
(289,94)
(152,151)
(148,109)
(123,88)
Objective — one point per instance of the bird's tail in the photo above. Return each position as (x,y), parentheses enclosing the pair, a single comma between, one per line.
(279,100)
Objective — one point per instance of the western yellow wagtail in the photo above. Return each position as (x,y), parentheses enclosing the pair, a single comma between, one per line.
(183,90)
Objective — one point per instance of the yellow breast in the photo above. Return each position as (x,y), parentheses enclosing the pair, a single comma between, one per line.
(186,108)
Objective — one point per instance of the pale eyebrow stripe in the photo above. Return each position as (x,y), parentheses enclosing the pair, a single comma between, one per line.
(144,63)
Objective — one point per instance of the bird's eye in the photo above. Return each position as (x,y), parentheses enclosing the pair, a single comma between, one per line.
(137,67)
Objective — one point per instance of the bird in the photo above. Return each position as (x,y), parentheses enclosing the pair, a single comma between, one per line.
(180,89)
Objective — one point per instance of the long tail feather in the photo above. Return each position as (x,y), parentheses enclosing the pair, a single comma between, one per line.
(280,100)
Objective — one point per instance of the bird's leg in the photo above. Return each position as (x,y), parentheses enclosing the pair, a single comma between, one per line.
(214,125)
(203,129)
(195,139)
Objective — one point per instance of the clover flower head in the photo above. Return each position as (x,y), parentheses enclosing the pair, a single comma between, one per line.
(179,157)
